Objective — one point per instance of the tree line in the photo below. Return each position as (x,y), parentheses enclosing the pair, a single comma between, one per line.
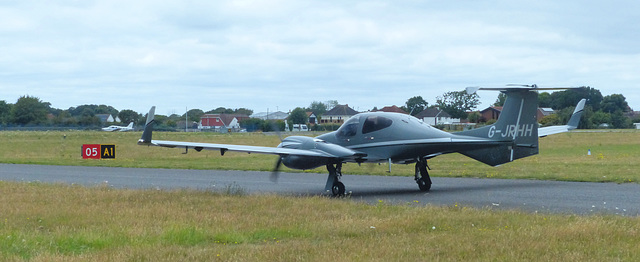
(612,110)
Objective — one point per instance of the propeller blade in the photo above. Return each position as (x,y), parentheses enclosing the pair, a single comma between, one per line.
(276,129)
(276,170)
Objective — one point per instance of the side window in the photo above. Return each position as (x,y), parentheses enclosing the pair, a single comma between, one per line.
(350,128)
(375,123)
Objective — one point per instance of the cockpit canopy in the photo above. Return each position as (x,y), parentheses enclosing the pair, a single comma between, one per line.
(371,123)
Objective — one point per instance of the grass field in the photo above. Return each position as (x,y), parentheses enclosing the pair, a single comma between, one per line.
(42,222)
(614,155)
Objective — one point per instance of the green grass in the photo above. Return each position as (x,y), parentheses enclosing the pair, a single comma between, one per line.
(562,157)
(42,222)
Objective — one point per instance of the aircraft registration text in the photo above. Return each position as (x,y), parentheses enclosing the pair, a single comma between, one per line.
(512,131)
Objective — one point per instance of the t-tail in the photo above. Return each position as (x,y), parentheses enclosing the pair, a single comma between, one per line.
(514,135)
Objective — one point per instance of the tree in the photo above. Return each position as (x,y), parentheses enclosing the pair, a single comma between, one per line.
(544,99)
(415,105)
(474,117)
(613,103)
(220,110)
(128,116)
(618,120)
(194,115)
(5,112)
(457,103)
(29,110)
(571,97)
(244,111)
(600,117)
(94,109)
(298,116)
(330,104)
(318,108)
(502,97)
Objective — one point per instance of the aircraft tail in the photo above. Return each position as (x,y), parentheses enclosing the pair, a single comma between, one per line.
(514,135)
(130,125)
(148,128)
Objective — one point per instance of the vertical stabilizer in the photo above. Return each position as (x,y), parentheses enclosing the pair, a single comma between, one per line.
(148,127)
(515,134)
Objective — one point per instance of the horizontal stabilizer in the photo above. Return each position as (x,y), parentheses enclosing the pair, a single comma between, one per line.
(572,124)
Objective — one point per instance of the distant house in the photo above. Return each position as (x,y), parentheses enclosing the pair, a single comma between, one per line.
(544,111)
(338,114)
(221,121)
(392,109)
(312,118)
(106,118)
(434,116)
(493,112)
(278,115)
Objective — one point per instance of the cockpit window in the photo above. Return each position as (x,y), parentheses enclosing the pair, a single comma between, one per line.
(375,123)
(349,128)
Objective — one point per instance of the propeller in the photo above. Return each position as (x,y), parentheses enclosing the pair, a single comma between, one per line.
(276,170)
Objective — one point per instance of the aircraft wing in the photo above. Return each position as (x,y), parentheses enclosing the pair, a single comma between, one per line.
(323,150)
(572,124)
(236,148)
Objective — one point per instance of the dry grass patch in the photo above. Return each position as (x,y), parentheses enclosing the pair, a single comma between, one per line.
(42,222)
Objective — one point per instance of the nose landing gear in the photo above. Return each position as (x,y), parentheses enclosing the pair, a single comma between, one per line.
(422,175)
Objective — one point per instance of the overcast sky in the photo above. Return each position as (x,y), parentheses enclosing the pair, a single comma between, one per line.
(279,55)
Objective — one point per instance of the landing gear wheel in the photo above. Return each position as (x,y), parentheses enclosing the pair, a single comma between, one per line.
(423,184)
(338,189)
(422,176)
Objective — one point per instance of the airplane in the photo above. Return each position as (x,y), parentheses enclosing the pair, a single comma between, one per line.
(119,128)
(379,137)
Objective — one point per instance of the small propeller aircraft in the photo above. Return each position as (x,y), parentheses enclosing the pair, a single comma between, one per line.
(119,128)
(379,137)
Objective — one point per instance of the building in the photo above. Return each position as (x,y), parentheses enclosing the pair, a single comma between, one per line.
(493,112)
(434,116)
(312,118)
(278,115)
(221,121)
(338,114)
(107,118)
(545,111)
(489,113)
(392,109)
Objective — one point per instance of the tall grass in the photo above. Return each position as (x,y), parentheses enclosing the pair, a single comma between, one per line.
(614,155)
(40,222)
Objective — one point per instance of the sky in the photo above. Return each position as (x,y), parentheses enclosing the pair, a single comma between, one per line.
(283,54)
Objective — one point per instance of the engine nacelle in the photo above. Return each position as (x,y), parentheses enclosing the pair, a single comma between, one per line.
(334,153)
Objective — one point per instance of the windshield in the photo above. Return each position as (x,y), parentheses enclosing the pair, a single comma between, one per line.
(375,123)
(349,128)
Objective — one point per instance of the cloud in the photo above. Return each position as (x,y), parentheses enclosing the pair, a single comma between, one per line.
(285,54)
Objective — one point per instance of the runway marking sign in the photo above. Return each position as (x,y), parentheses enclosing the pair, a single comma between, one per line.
(97,151)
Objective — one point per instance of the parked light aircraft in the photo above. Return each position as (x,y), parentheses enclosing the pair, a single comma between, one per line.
(119,128)
(379,137)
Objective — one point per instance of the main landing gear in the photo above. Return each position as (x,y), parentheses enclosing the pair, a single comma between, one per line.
(422,175)
(333,181)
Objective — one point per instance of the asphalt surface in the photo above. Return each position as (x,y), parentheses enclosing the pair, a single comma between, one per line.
(528,195)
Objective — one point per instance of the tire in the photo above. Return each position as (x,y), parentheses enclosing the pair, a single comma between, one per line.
(423,184)
(338,189)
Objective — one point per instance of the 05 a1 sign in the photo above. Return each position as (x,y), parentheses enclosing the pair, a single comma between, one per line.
(97,151)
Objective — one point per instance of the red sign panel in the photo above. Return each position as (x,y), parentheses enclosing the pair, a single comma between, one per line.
(91,151)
